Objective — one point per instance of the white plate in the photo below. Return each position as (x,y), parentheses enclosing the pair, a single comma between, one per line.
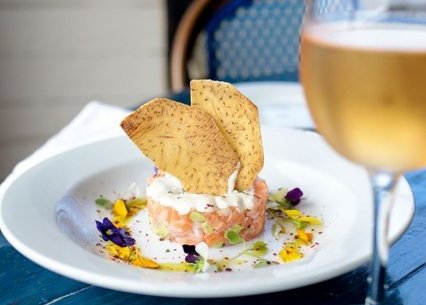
(335,189)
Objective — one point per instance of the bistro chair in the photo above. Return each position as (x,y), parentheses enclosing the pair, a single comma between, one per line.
(243,40)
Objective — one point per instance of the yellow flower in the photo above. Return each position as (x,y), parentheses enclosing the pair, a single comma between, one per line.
(306,238)
(290,253)
(120,209)
(311,220)
(299,216)
(119,252)
(293,214)
(131,255)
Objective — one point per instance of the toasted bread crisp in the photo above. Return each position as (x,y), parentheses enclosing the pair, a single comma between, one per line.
(238,120)
(185,142)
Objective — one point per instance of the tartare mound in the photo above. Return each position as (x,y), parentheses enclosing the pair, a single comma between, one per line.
(212,228)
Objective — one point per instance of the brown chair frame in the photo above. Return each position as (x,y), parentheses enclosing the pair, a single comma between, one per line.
(189,27)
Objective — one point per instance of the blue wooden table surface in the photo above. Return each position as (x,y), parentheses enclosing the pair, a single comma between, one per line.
(23,282)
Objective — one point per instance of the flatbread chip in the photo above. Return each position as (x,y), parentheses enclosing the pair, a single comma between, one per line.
(238,119)
(185,142)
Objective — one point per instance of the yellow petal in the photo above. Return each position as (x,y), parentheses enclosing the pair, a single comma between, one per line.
(145,263)
(295,214)
(117,251)
(311,220)
(119,208)
(290,254)
(305,237)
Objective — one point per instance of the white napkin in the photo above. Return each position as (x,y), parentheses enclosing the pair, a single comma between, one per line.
(95,122)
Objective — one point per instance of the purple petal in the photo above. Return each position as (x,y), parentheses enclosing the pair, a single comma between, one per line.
(108,224)
(117,239)
(102,229)
(189,249)
(192,259)
(155,170)
(192,256)
(118,236)
(129,241)
(294,196)
(100,226)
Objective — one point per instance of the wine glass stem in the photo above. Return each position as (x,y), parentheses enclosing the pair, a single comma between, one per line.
(383,185)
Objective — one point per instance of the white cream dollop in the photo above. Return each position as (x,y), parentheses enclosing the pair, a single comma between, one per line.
(168,191)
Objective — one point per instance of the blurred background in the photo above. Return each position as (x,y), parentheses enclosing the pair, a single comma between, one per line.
(57,55)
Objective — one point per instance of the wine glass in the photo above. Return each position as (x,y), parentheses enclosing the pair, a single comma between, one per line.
(363,69)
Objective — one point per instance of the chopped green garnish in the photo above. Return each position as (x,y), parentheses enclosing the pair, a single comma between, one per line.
(218,245)
(233,234)
(233,237)
(161,231)
(198,266)
(237,228)
(279,198)
(105,203)
(207,228)
(299,224)
(196,216)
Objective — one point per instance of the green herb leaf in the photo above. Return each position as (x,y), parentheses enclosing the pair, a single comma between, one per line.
(261,263)
(197,216)
(104,203)
(277,228)
(259,248)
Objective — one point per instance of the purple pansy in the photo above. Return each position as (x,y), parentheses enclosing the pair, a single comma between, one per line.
(192,256)
(294,196)
(109,231)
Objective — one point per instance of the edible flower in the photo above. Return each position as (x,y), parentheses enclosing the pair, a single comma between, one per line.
(306,238)
(294,196)
(290,253)
(301,220)
(109,231)
(193,257)
(131,255)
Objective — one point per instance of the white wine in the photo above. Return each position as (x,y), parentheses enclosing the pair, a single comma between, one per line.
(366,89)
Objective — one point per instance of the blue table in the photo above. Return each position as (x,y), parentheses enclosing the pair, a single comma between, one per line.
(23,282)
